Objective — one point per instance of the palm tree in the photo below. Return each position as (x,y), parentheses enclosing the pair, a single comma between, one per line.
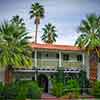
(37,12)
(49,33)
(17,20)
(15,51)
(89,40)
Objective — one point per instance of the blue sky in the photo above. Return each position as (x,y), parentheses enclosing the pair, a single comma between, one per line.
(66,15)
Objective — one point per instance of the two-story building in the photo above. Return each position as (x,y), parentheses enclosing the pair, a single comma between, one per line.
(47,58)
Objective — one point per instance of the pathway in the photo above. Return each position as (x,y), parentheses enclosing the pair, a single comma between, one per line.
(47,96)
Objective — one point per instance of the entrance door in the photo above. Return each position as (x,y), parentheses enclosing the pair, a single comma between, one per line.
(43,82)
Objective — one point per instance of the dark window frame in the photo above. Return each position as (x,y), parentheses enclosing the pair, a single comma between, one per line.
(57,56)
(66,57)
(79,57)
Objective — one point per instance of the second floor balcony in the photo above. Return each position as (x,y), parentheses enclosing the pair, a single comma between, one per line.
(54,63)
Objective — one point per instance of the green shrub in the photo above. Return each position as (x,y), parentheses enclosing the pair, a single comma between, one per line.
(34,92)
(72,86)
(10,91)
(21,90)
(96,89)
(1,91)
(57,89)
(1,87)
(28,89)
(83,82)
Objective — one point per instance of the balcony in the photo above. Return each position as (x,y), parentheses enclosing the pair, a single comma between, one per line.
(47,63)
(71,64)
(54,63)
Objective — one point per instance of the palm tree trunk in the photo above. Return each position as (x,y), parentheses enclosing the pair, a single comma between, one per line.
(8,75)
(36,32)
(93,67)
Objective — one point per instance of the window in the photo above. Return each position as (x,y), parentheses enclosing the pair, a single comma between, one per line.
(65,57)
(39,55)
(32,54)
(79,57)
(57,55)
(99,60)
(46,55)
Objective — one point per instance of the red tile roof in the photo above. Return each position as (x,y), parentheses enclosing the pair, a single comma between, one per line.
(55,47)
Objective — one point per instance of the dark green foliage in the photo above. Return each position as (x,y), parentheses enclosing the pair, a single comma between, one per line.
(59,76)
(34,91)
(1,91)
(96,89)
(72,86)
(20,90)
(1,87)
(10,91)
(57,89)
(28,89)
(83,81)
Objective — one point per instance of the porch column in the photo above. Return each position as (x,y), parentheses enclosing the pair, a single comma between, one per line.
(83,58)
(60,58)
(35,58)
(83,62)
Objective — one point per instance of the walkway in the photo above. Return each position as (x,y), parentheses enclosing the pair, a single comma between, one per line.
(47,96)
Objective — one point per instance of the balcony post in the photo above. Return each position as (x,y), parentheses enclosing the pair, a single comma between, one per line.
(60,58)
(35,58)
(83,59)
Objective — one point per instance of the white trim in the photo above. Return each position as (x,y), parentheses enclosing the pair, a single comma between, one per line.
(35,58)
(60,58)
(83,55)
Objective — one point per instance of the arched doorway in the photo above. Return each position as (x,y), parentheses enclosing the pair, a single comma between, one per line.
(43,82)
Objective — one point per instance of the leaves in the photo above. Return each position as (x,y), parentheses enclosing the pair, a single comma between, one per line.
(49,33)
(37,10)
(90,37)
(15,49)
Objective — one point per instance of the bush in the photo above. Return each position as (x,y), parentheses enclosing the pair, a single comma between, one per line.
(96,89)
(34,92)
(10,91)
(1,91)
(1,87)
(57,89)
(83,82)
(28,89)
(72,89)
(21,90)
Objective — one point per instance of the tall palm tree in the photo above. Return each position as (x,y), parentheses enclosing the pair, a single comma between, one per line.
(15,51)
(89,40)
(37,12)
(49,33)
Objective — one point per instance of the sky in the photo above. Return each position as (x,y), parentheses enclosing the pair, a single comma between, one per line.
(66,15)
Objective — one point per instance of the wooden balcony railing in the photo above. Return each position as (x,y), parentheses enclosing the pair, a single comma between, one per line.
(54,63)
